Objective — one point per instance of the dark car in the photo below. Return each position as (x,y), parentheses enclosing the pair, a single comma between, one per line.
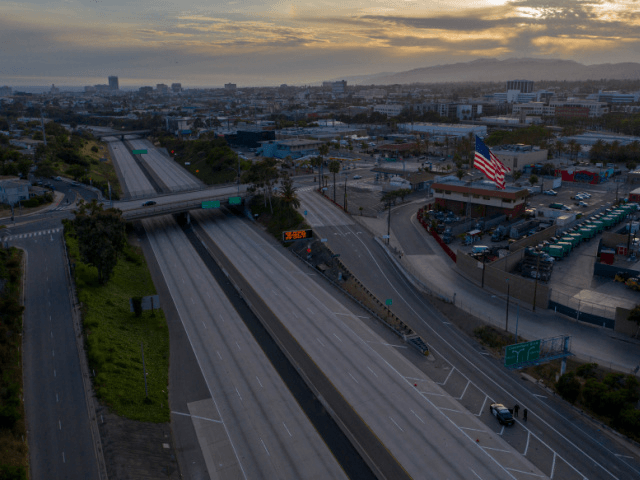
(148,203)
(502,413)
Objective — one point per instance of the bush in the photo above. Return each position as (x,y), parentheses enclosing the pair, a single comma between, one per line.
(568,387)
(9,472)
(94,149)
(588,370)
(137,306)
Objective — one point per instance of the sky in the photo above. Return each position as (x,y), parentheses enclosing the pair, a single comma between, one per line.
(270,42)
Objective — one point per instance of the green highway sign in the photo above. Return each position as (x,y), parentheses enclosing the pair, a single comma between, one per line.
(139,152)
(211,204)
(521,353)
(235,200)
(388,302)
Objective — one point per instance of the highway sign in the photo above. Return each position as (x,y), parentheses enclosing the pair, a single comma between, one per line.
(521,353)
(211,204)
(296,235)
(305,212)
(388,302)
(235,200)
(139,152)
(385,236)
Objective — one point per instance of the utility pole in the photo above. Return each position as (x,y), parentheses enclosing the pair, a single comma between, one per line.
(389,224)
(506,326)
(484,254)
(535,285)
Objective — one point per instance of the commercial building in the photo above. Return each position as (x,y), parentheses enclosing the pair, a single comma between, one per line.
(578,108)
(251,138)
(592,175)
(113,83)
(162,88)
(13,191)
(390,110)
(517,156)
(524,86)
(230,86)
(176,87)
(479,199)
(5,91)
(294,148)
(442,130)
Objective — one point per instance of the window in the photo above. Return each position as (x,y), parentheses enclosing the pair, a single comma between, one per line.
(486,197)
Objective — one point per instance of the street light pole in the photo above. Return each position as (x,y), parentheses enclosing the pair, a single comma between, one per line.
(483,267)
(506,327)
(389,224)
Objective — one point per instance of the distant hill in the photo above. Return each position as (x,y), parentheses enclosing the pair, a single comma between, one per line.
(494,70)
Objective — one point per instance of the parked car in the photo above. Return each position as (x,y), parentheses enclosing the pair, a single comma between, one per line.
(585,194)
(357,177)
(550,192)
(148,203)
(583,204)
(502,413)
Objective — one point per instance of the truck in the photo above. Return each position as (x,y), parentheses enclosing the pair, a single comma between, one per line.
(566,247)
(555,251)
(499,234)
(559,206)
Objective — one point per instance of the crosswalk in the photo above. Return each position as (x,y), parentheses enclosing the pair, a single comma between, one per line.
(33,234)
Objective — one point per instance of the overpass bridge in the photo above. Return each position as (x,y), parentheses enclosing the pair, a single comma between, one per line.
(117,134)
(182,202)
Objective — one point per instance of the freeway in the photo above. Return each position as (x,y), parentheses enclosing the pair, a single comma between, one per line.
(131,179)
(249,426)
(558,440)
(60,439)
(171,174)
(398,402)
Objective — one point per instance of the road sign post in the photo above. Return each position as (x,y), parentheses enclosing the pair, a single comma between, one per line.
(235,200)
(139,152)
(211,204)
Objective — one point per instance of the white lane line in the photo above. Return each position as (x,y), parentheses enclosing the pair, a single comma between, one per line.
(539,396)
(474,429)
(435,394)
(501,431)
(320,342)
(59,425)
(238,394)
(237,345)
(451,410)
(51,333)
(53,353)
(417,416)
(63,459)
(57,399)
(219,356)
(526,473)
(196,416)
(204,325)
(354,378)
(372,371)
(350,315)
(447,379)
(526,448)
(54,373)
(496,449)
(553,466)
(396,424)
(478,476)
(265,447)
(259,381)
(285,427)
(338,337)
(623,456)
(465,389)
(311,310)
(485,353)
(483,404)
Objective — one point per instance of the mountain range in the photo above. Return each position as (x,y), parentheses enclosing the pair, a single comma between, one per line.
(494,70)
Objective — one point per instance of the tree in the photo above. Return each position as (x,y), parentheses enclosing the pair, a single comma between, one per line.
(24,166)
(533,179)
(323,150)
(288,196)
(517,174)
(568,387)
(559,147)
(460,173)
(77,171)
(334,167)
(101,237)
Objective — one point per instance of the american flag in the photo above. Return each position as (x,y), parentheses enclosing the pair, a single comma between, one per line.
(488,163)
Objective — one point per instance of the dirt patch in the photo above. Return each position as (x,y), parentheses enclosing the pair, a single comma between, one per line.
(136,450)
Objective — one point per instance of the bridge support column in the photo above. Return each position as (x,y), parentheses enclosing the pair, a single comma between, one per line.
(184,219)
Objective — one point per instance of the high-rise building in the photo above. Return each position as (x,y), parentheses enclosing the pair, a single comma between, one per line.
(113,83)
(229,86)
(524,86)
(5,91)
(176,87)
(162,88)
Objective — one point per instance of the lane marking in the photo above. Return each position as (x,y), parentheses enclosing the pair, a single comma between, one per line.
(624,456)
(465,390)
(474,429)
(526,448)
(372,371)
(54,373)
(259,381)
(59,425)
(338,338)
(239,394)
(450,410)
(526,473)
(496,449)
(196,416)
(418,417)
(553,467)
(238,345)
(354,378)
(447,379)
(539,396)
(483,404)
(63,459)
(320,342)
(265,447)
(396,424)
(285,427)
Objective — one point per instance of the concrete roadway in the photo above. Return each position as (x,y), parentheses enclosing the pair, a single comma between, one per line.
(250,426)
(370,374)
(566,444)
(60,441)
(171,173)
(133,182)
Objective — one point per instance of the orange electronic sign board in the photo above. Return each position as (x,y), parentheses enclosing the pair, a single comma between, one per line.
(296,235)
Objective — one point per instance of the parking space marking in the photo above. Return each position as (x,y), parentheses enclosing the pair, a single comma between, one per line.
(465,389)
(446,379)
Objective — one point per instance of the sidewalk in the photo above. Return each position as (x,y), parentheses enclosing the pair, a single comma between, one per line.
(438,273)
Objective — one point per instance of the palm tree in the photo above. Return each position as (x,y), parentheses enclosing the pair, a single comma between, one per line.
(559,148)
(323,150)
(334,167)
(288,196)
(573,148)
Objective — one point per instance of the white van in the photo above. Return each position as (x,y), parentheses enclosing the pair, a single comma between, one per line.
(479,249)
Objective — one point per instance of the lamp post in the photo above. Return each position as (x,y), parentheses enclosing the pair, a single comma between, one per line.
(484,254)
(506,326)
(389,224)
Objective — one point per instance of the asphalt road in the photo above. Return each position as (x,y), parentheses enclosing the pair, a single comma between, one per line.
(250,426)
(60,441)
(133,182)
(400,405)
(559,441)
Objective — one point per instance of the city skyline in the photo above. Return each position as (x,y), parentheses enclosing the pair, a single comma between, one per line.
(82,42)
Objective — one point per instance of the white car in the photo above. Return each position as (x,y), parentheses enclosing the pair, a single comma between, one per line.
(357,177)
(583,204)
(550,192)
(585,194)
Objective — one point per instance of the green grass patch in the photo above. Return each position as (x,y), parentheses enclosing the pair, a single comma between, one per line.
(114,336)
(493,338)
(14,453)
